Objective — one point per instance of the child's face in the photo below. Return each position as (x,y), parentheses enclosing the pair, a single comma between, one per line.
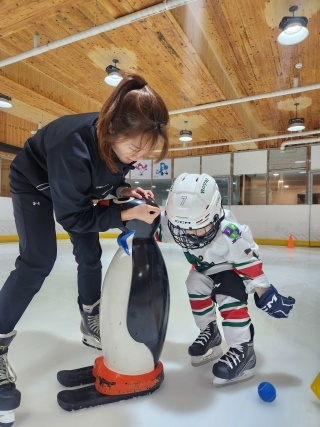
(200,231)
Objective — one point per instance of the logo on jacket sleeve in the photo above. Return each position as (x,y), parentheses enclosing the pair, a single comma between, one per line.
(232,231)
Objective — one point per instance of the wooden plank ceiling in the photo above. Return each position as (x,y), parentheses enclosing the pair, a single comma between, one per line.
(204,52)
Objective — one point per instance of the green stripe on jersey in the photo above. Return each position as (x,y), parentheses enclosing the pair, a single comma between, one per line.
(231,305)
(197,296)
(237,324)
(202,313)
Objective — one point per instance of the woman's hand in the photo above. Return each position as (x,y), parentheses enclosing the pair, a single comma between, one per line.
(143,212)
(137,193)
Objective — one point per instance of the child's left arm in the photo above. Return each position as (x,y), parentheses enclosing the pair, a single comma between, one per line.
(243,253)
(270,301)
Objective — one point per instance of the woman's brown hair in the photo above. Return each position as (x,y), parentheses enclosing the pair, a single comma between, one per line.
(133,110)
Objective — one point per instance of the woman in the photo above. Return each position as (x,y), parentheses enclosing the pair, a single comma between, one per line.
(60,171)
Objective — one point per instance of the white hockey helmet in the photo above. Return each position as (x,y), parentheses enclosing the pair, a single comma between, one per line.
(194,202)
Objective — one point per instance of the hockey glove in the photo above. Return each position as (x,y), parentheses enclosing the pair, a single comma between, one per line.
(274,304)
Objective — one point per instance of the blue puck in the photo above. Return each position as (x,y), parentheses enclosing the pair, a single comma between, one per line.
(267,392)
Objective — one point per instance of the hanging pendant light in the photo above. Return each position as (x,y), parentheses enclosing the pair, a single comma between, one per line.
(114,76)
(294,28)
(185,135)
(5,101)
(297,123)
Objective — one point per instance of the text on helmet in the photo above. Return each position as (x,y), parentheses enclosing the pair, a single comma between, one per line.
(205,182)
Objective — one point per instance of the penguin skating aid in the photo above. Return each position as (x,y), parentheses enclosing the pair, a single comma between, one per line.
(133,322)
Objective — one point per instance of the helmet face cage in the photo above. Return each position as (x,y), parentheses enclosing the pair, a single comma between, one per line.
(194,241)
(194,203)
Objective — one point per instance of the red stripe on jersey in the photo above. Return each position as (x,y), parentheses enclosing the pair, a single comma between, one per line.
(241,313)
(251,271)
(201,304)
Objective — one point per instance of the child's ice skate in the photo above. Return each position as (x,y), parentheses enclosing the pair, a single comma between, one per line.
(207,346)
(90,325)
(235,366)
(9,396)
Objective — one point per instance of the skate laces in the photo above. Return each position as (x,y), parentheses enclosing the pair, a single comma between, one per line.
(90,324)
(7,374)
(204,336)
(232,357)
(94,323)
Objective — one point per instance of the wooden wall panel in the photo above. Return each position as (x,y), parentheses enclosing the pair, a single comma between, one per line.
(4,178)
(14,130)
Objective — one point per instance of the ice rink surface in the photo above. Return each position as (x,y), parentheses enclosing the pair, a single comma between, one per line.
(288,352)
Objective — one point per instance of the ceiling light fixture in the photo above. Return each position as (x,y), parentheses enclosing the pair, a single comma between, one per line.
(5,101)
(185,135)
(114,76)
(297,123)
(294,28)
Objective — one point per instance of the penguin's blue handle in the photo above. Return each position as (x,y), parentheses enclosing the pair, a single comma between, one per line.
(122,240)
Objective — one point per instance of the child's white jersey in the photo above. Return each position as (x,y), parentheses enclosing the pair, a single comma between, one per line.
(233,248)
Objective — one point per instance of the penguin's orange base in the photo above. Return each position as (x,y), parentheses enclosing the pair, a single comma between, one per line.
(112,383)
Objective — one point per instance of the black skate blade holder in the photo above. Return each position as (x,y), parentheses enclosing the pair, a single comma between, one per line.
(90,396)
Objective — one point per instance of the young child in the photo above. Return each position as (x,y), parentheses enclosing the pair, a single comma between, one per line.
(225,269)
